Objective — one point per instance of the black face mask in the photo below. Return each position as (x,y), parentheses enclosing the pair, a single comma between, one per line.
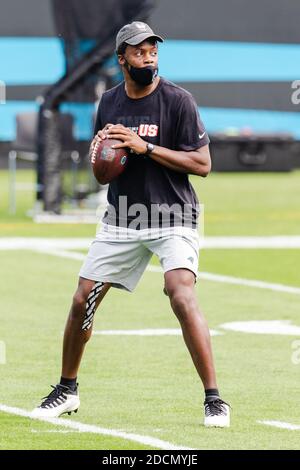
(143,76)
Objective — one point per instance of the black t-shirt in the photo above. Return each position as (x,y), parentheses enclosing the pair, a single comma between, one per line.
(167,117)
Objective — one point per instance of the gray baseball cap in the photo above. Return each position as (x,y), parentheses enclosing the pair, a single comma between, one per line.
(134,33)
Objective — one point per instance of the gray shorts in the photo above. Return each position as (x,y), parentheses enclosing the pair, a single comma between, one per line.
(120,256)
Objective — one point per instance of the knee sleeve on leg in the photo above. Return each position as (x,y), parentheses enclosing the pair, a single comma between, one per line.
(90,306)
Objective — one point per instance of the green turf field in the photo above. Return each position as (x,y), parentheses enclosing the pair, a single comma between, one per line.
(146,385)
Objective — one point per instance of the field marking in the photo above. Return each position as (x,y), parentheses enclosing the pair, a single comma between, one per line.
(281,425)
(263,327)
(239,281)
(62,253)
(25,186)
(148,332)
(249,283)
(90,428)
(60,247)
(51,431)
(230,242)
(282,242)
(33,243)
(201,274)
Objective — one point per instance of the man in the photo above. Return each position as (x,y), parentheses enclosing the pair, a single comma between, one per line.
(159,122)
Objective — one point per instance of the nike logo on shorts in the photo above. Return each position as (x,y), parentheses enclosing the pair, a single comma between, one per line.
(202,135)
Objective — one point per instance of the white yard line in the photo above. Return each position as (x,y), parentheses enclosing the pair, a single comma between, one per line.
(32,243)
(148,332)
(60,247)
(62,253)
(252,242)
(281,425)
(144,332)
(239,281)
(202,275)
(249,283)
(282,242)
(89,428)
(263,327)
(53,431)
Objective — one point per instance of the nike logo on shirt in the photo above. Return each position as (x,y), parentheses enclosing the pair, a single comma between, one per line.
(202,135)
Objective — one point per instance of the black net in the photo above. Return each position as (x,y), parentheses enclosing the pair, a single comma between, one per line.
(84,26)
(87,30)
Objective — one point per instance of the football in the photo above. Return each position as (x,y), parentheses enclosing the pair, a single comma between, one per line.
(108,163)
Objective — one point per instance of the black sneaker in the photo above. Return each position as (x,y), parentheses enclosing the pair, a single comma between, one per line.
(216,413)
(61,400)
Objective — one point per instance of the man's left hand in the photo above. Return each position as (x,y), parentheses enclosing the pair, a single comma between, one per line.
(130,139)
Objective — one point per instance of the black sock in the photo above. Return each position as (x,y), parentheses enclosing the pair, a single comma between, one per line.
(71,383)
(211,394)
